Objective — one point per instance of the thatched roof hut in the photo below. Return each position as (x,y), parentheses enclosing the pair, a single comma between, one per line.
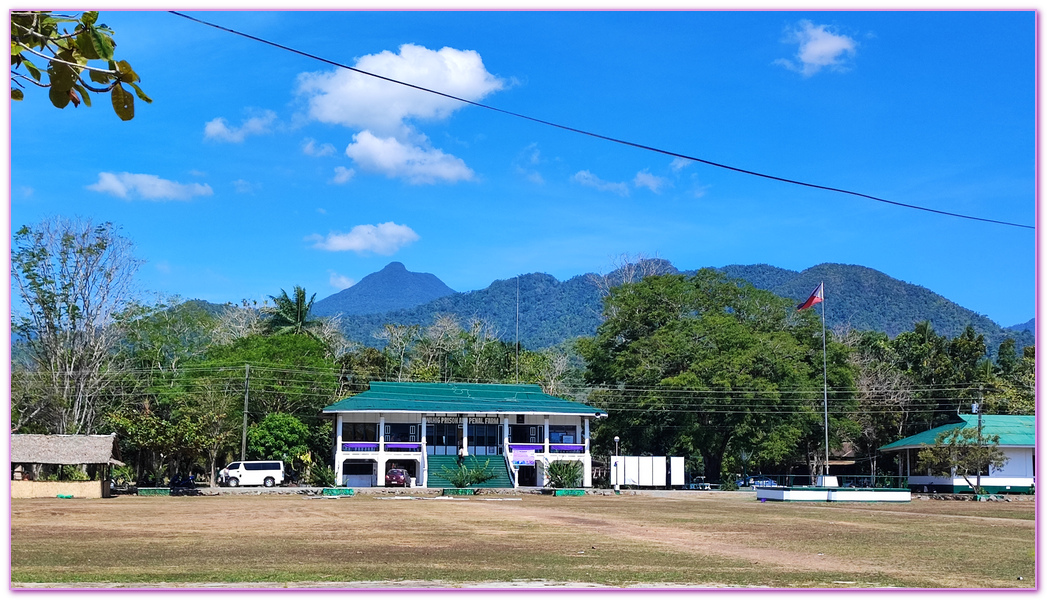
(65,449)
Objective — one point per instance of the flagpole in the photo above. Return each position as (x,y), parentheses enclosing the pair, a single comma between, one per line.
(825,382)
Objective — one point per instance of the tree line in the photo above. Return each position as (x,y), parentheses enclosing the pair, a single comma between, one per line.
(702,365)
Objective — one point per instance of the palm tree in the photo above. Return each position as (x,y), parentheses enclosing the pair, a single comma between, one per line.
(291,315)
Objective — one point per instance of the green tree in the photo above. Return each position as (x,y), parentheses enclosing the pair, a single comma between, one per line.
(961,452)
(279,436)
(63,47)
(290,315)
(708,365)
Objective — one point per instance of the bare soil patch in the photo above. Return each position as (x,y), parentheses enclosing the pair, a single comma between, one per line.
(688,540)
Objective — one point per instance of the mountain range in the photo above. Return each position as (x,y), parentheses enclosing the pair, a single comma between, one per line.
(552,311)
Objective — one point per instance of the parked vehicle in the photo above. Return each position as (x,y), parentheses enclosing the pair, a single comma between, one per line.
(396,478)
(756,481)
(253,472)
(188,481)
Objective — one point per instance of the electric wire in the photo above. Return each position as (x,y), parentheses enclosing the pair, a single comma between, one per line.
(597,135)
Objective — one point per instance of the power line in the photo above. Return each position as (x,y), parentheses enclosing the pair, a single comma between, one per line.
(597,135)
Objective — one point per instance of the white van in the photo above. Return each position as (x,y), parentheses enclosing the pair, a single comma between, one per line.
(253,472)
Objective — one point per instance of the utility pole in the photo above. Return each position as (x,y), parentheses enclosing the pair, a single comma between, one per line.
(247,383)
(978,478)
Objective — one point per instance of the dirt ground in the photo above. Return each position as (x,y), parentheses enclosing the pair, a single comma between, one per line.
(694,539)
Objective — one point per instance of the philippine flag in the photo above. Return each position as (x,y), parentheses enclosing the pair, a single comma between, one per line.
(816,296)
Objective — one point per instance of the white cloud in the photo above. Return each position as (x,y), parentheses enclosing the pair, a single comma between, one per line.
(529,157)
(644,179)
(342,175)
(218,130)
(147,187)
(588,179)
(242,186)
(394,158)
(349,98)
(310,148)
(340,282)
(384,239)
(679,164)
(818,48)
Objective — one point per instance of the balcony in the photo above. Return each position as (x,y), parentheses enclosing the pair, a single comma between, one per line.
(384,446)
(553,448)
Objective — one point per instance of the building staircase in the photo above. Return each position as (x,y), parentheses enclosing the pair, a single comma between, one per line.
(437,464)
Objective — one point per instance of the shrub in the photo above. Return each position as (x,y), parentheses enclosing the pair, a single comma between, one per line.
(464,475)
(565,473)
(321,476)
(728,485)
(68,473)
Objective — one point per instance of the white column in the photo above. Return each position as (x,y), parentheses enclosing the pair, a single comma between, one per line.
(381,452)
(423,477)
(587,462)
(465,435)
(546,435)
(338,449)
(505,434)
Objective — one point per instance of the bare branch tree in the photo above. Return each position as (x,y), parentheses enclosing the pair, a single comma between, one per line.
(237,322)
(73,278)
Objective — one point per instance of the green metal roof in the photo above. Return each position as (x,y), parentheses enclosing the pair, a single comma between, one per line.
(1014,430)
(460,398)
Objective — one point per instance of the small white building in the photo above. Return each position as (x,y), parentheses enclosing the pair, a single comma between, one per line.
(516,430)
(1017,440)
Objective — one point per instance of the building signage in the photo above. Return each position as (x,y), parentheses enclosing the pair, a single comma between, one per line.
(456,420)
(523,458)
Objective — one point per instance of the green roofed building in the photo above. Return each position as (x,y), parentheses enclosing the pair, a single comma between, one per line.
(1017,440)
(427,428)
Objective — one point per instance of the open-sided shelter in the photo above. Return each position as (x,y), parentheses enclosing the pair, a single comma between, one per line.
(32,455)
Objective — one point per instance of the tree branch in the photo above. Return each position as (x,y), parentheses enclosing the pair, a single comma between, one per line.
(71,64)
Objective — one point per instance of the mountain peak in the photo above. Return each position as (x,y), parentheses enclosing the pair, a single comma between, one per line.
(392,288)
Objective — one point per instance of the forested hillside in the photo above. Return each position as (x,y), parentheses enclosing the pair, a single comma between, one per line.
(552,311)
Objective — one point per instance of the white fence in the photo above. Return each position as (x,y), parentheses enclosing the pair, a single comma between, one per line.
(647,471)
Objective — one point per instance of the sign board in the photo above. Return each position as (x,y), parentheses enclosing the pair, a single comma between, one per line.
(457,420)
(523,458)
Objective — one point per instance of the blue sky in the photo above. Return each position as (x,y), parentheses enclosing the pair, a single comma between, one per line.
(256,169)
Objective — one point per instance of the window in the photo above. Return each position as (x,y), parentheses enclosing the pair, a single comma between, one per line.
(401,432)
(484,435)
(360,432)
(562,434)
(441,434)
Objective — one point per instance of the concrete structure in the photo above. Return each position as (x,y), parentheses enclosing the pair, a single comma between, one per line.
(426,428)
(1017,440)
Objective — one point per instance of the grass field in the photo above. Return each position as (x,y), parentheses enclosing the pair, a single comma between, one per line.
(700,539)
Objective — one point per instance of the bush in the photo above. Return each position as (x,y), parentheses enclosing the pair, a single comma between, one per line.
(565,473)
(464,475)
(68,473)
(728,485)
(321,476)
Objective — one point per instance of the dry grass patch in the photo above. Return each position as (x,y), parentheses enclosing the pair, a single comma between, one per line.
(696,540)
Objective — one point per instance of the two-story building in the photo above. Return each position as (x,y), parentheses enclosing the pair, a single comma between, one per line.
(425,428)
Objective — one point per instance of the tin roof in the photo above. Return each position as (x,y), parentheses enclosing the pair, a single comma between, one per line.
(1014,431)
(460,398)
